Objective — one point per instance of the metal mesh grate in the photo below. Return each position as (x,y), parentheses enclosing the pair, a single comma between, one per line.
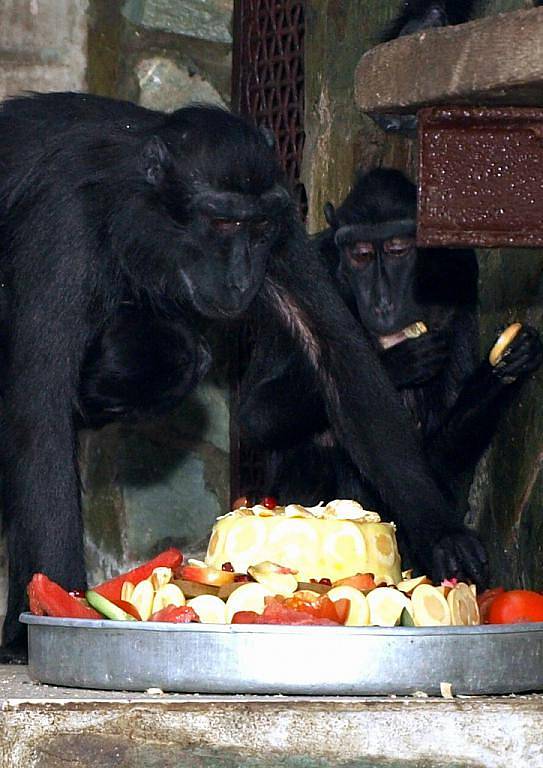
(268,85)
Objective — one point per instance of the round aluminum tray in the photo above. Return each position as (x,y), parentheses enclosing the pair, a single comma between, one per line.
(267,659)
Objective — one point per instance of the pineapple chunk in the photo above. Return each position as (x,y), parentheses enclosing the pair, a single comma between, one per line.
(386,606)
(210,609)
(167,594)
(142,598)
(463,606)
(248,597)
(161,576)
(430,607)
(359,611)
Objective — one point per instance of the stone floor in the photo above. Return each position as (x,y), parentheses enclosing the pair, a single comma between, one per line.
(48,727)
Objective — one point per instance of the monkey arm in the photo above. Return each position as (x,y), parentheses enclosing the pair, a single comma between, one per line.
(469,425)
(365,411)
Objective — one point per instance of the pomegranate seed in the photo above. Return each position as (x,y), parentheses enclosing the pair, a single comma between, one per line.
(242,577)
(269,502)
(228,567)
(326,582)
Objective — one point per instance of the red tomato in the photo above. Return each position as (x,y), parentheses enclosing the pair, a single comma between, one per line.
(485,600)
(210,576)
(519,605)
(277,613)
(362,581)
(127,607)
(182,614)
(270,502)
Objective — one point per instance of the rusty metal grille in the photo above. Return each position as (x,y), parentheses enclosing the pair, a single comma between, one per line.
(268,86)
(268,76)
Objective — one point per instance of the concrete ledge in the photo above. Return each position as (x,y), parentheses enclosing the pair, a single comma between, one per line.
(495,60)
(43,726)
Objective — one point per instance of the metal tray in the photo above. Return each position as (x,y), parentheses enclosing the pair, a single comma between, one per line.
(267,659)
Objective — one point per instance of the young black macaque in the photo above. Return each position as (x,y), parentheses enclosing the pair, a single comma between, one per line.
(124,233)
(418,310)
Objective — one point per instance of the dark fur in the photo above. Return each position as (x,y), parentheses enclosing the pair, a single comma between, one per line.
(454,401)
(122,230)
(416,15)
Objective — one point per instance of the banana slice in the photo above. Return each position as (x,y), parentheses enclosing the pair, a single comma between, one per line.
(386,606)
(430,607)
(463,606)
(142,598)
(359,611)
(161,576)
(167,594)
(504,340)
(248,597)
(210,609)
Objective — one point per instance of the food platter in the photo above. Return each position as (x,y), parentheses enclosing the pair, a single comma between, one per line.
(301,660)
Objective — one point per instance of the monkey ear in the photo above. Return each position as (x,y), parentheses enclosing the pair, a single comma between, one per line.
(156,159)
(330,215)
(269,136)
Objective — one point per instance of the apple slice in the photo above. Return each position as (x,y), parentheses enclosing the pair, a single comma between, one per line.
(280,581)
(463,606)
(386,606)
(248,597)
(167,594)
(409,585)
(430,607)
(161,576)
(193,589)
(359,611)
(210,609)
(142,598)
(207,575)
(127,590)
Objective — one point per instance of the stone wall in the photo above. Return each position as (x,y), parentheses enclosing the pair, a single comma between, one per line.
(507,492)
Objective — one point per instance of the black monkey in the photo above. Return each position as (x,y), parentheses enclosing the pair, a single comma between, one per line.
(416,16)
(122,230)
(389,285)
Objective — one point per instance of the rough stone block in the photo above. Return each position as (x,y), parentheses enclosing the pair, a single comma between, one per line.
(204,19)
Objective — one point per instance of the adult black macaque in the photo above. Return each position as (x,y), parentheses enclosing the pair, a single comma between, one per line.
(121,231)
(389,284)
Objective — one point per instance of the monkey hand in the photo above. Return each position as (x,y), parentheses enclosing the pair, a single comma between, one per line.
(523,356)
(460,555)
(415,361)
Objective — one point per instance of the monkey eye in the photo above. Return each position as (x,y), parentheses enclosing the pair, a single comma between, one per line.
(360,253)
(226,226)
(259,227)
(398,247)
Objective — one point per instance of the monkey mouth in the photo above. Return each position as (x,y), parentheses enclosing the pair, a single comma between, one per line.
(412,331)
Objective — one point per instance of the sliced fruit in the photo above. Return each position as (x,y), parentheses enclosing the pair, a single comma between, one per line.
(248,597)
(170,558)
(386,606)
(362,581)
(176,614)
(278,583)
(359,612)
(308,595)
(161,576)
(107,608)
(225,591)
(210,609)
(193,588)
(463,606)
(207,575)
(266,566)
(409,585)
(314,586)
(127,590)
(47,598)
(142,598)
(430,607)
(168,594)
